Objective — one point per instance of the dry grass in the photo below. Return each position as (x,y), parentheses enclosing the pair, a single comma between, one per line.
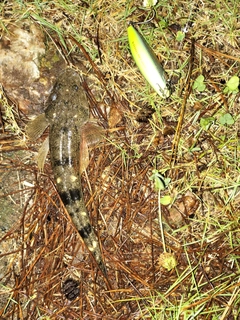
(201,225)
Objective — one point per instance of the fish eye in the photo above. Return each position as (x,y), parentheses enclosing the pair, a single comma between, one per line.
(75,87)
(58,86)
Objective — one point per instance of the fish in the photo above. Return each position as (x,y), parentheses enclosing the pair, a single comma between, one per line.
(67,115)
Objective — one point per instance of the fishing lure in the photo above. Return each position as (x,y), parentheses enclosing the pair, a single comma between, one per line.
(148,62)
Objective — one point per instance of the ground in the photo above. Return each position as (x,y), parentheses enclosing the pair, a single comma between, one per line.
(163,186)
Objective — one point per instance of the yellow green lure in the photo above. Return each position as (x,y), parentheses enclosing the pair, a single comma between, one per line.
(147,62)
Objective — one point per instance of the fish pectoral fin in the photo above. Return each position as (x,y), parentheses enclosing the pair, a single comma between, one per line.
(42,154)
(36,127)
(92,133)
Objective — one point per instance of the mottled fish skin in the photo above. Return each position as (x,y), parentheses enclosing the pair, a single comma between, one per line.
(67,112)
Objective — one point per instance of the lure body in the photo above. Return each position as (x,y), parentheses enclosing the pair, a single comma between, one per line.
(66,115)
(148,62)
